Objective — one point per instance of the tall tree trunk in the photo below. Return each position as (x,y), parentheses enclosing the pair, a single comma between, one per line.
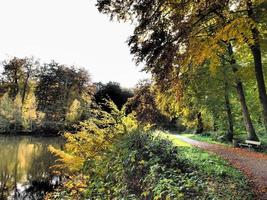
(200,127)
(260,82)
(251,134)
(215,125)
(230,132)
(256,52)
(25,87)
(247,120)
(15,86)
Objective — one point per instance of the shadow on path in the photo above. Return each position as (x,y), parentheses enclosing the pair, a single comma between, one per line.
(253,164)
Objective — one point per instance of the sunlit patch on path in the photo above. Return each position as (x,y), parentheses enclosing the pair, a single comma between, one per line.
(253,164)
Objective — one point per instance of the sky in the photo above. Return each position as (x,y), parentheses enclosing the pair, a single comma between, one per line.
(70,32)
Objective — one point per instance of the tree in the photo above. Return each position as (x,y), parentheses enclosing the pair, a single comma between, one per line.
(30,69)
(17,112)
(113,91)
(70,83)
(13,74)
(74,113)
(30,114)
(239,86)
(17,75)
(143,104)
(256,52)
(6,109)
(169,35)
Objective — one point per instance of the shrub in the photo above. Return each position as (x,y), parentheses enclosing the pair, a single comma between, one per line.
(143,167)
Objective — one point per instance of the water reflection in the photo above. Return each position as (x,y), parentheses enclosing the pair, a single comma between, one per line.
(25,163)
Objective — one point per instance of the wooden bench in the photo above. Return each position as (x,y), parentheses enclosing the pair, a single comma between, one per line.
(250,143)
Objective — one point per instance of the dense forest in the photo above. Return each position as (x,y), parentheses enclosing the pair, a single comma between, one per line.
(49,98)
(208,63)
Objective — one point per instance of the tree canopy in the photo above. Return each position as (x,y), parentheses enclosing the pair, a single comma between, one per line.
(180,39)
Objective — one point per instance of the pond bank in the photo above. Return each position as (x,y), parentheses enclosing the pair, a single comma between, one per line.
(37,133)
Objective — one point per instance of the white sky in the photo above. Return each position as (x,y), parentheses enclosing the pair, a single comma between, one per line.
(70,32)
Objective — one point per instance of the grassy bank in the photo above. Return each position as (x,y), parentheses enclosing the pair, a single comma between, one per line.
(225,182)
(210,138)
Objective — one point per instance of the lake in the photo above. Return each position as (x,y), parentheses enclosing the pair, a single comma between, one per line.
(25,166)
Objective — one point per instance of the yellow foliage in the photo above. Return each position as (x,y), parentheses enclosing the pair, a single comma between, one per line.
(85,145)
(29,109)
(74,112)
(95,136)
(239,29)
(169,101)
(210,48)
(6,107)
(74,163)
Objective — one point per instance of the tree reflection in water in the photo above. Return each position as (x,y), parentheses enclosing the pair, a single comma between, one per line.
(25,163)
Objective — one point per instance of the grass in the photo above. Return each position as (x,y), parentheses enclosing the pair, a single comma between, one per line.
(228,182)
(202,138)
(172,137)
(209,162)
(263,138)
(225,181)
(242,137)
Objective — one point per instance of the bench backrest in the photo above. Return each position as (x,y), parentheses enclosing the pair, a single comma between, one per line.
(253,142)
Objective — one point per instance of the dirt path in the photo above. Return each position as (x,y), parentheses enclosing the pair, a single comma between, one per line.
(253,164)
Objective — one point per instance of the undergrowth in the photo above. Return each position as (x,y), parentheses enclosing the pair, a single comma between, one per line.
(142,166)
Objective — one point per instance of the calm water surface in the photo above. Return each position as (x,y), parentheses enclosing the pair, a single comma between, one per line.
(25,166)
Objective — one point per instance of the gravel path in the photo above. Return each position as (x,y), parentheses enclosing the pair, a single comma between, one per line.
(253,164)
